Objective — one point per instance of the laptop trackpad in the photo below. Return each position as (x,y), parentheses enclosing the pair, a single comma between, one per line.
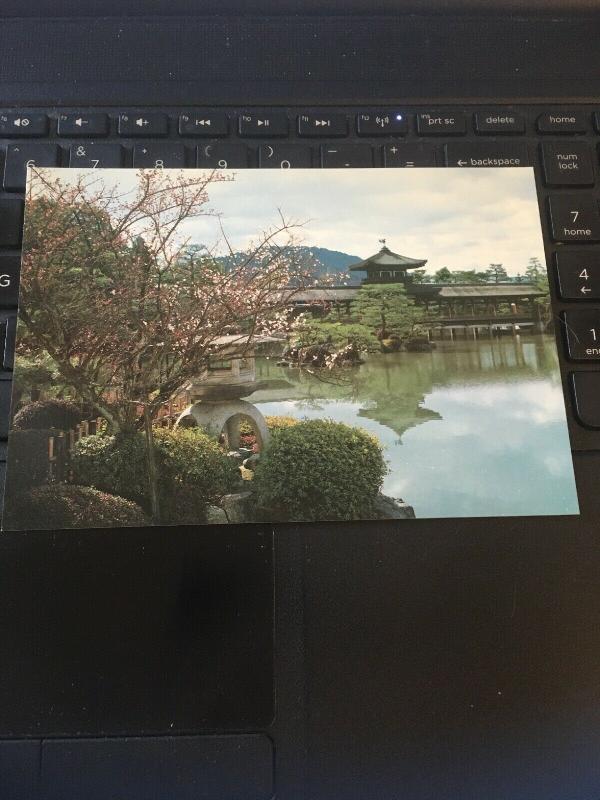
(137,631)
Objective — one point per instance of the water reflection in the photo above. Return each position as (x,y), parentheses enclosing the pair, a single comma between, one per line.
(474,428)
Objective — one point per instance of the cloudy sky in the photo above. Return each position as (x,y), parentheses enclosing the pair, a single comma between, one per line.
(456,218)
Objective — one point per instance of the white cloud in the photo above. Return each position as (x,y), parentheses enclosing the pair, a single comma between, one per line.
(459,218)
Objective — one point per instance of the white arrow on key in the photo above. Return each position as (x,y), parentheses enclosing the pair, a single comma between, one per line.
(585,290)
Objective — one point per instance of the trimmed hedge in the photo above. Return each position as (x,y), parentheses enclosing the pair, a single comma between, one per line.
(28,458)
(193,471)
(319,470)
(113,464)
(59,506)
(45,414)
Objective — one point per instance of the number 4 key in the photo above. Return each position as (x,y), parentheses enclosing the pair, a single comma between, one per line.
(578,273)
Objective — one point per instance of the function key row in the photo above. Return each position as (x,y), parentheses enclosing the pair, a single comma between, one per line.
(218,123)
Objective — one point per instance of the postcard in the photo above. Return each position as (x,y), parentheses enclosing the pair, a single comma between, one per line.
(220,346)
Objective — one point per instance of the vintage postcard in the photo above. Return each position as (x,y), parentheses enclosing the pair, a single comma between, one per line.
(219,346)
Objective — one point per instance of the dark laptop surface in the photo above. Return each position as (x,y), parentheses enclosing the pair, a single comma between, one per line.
(447,658)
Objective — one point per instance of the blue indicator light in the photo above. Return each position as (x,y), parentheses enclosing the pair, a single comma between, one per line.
(398,117)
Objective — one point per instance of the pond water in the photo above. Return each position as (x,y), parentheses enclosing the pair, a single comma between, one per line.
(469,429)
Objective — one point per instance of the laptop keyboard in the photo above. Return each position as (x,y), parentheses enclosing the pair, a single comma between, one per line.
(562,144)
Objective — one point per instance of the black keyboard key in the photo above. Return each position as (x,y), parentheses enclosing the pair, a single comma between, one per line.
(486,154)
(275,123)
(574,218)
(441,123)
(223,156)
(409,155)
(284,156)
(381,123)
(5,398)
(143,124)
(17,125)
(11,221)
(562,122)
(94,124)
(95,156)
(346,155)
(9,280)
(21,156)
(8,329)
(586,397)
(582,329)
(494,123)
(159,155)
(567,164)
(204,123)
(578,274)
(324,124)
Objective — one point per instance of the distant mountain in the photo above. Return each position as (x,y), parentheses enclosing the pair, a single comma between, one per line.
(330,262)
(334,260)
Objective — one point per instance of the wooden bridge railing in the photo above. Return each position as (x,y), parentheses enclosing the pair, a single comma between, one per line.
(61,444)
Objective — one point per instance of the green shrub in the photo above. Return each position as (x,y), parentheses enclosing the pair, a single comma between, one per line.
(319,470)
(43,414)
(248,435)
(28,463)
(275,423)
(57,506)
(29,459)
(193,471)
(113,464)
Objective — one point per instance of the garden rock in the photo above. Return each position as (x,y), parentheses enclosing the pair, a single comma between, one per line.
(393,508)
(237,506)
(251,461)
(216,516)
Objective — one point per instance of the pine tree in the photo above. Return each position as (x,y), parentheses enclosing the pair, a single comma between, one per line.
(386,309)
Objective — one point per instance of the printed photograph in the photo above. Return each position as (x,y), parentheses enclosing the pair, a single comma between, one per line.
(217,346)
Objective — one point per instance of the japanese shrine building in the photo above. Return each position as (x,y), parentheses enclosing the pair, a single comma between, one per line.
(387,267)
(449,300)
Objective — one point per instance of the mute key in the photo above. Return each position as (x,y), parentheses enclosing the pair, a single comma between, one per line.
(486,154)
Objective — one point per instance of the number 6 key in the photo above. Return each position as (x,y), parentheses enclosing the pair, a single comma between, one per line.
(21,156)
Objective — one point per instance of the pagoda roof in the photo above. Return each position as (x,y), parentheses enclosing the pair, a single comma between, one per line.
(386,258)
